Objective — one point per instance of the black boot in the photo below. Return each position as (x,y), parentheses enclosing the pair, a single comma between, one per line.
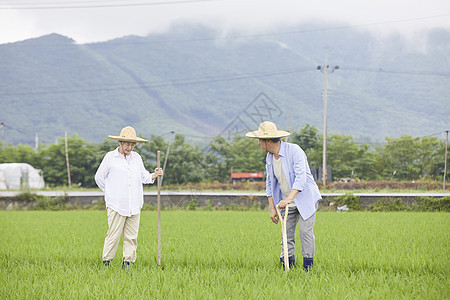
(291,262)
(307,263)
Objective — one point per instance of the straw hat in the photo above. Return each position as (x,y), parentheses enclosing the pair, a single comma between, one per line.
(128,134)
(267,130)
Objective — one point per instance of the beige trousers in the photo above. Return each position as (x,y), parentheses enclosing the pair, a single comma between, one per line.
(118,225)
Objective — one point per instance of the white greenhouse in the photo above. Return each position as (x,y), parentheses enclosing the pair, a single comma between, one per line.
(14,176)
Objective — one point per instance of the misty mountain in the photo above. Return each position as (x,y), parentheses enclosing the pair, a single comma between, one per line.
(201,83)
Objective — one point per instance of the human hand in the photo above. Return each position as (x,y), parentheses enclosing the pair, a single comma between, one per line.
(158,172)
(274,215)
(283,203)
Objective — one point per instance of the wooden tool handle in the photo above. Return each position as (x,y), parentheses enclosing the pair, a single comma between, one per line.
(284,236)
(159,210)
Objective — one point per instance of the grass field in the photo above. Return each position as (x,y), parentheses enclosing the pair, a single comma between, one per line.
(225,255)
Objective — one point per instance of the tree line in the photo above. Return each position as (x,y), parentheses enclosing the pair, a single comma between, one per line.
(403,158)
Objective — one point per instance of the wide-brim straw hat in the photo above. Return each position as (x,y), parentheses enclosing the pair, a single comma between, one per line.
(267,130)
(127,134)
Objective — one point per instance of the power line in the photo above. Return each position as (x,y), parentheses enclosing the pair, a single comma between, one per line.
(183,82)
(394,141)
(380,70)
(169,83)
(23,131)
(104,5)
(60,2)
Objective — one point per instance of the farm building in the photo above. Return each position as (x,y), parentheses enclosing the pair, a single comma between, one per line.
(246,176)
(14,176)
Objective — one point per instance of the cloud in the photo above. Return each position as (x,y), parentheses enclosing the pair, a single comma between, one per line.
(104,23)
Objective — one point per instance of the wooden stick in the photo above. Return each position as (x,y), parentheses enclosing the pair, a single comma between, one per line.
(284,235)
(159,211)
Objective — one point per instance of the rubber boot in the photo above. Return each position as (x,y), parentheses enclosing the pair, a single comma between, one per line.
(307,263)
(291,262)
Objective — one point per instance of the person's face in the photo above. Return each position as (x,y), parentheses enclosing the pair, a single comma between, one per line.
(263,144)
(127,147)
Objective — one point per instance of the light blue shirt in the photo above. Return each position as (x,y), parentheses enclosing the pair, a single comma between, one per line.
(298,174)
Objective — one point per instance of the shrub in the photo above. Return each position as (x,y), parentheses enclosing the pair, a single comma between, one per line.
(432,204)
(209,206)
(27,197)
(49,203)
(192,205)
(350,200)
(422,185)
(422,204)
(389,204)
(98,205)
(42,202)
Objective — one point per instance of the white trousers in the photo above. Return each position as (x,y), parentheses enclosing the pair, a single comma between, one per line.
(118,225)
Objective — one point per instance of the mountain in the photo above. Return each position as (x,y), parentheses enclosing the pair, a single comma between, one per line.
(201,83)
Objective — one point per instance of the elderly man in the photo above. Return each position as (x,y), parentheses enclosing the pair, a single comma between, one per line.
(289,183)
(121,175)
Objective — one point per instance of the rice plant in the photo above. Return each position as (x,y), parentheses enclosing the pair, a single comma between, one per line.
(225,255)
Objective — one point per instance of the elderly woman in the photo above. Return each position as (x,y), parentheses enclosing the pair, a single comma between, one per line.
(121,175)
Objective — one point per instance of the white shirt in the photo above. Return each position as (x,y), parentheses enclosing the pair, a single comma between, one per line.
(121,179)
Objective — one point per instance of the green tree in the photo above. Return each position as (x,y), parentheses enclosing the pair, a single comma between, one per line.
(215,167)
(437,162)
(307,138)
(148,152)
(243,155)
(430,153)
(410,158)
(345,157)
(19,154)
(108,145)
(184,162)
(84,159)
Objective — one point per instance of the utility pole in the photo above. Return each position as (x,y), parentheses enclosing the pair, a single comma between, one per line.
(67,162)
(325,98)
(289,123)
(445,163)
(36,142)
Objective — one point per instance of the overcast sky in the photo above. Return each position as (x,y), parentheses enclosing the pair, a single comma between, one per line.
(78,19)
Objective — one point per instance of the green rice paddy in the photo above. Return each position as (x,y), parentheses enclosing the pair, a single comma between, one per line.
(225,255)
